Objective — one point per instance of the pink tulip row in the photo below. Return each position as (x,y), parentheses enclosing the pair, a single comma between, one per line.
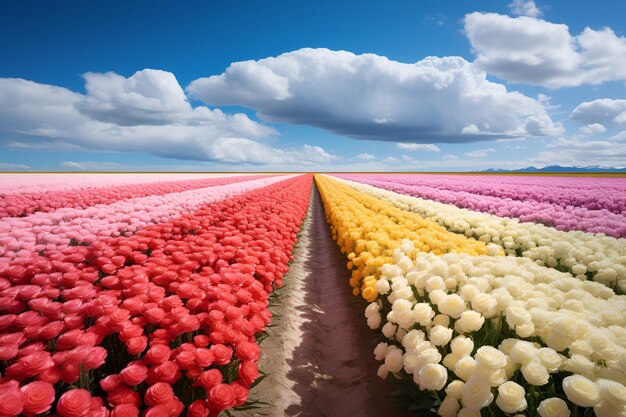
(25,203)
(158,324)
(586,192)
(28,236)
(555,215)
(35,183)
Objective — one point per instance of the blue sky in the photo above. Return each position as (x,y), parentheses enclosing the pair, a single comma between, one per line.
(158,85)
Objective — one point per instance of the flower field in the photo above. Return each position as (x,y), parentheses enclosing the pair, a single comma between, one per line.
(158,310)
(128,295)
(541,331)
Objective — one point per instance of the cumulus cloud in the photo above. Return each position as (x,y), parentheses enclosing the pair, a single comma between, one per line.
(366,157)
(525,8)
(620,136)
(529,50)
(147,112)
(450,157)
(480,153)
(592,129)
(604,111)
(371,97)
(148,97)
(426,147)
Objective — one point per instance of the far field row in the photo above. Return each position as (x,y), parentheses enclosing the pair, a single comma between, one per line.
(132,294)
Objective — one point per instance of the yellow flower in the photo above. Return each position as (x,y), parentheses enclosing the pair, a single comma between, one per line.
(368,230)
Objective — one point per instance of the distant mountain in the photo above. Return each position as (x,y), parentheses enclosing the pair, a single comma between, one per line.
(558,168)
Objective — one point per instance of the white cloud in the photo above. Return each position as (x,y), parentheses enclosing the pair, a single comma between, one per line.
(528,50)
(480,153)
(7,166)
(366,157)
(90,165)
(471,129)
(391,160)
(450,157)
(545,100)
(525,8)
(371,97)
(604,111)
(148,97)
(620,136)
(426,147)
(592,129)
(317,154)
(147,112)
(578,152)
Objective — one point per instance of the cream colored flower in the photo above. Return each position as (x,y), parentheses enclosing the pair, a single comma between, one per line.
(523,352)
(374,320)
(449,407)
(550,358)
(489,357)
(535,373)
(525,330)
(381,351)
(578,364)
(511,397)
(382,286)
(455,388)
(553,407)
(581,391)
(440,335)
(452,305)
(393,360)
(470,321)
(485,304)
(462,345)
(389,330)
(433,377)
(465,368)
(412,338)
(476,394)
(423,313)
(442,320)
(517,316)
(612,392)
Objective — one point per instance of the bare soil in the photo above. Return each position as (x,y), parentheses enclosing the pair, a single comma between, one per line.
(319,355)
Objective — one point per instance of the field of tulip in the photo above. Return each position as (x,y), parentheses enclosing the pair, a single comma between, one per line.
(540,332)
(140,294)
(146,304)
(588,204)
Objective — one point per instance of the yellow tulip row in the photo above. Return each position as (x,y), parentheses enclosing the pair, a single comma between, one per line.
(368,229)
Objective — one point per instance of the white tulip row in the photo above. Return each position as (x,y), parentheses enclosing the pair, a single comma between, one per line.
(583,254)
(501,333)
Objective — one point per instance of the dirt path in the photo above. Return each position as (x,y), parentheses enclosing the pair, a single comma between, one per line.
(320,352)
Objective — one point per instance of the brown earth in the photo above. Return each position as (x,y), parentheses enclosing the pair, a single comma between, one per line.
(319,355)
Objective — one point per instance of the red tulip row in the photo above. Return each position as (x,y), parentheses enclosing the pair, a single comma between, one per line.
(23,204)
(155,323)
